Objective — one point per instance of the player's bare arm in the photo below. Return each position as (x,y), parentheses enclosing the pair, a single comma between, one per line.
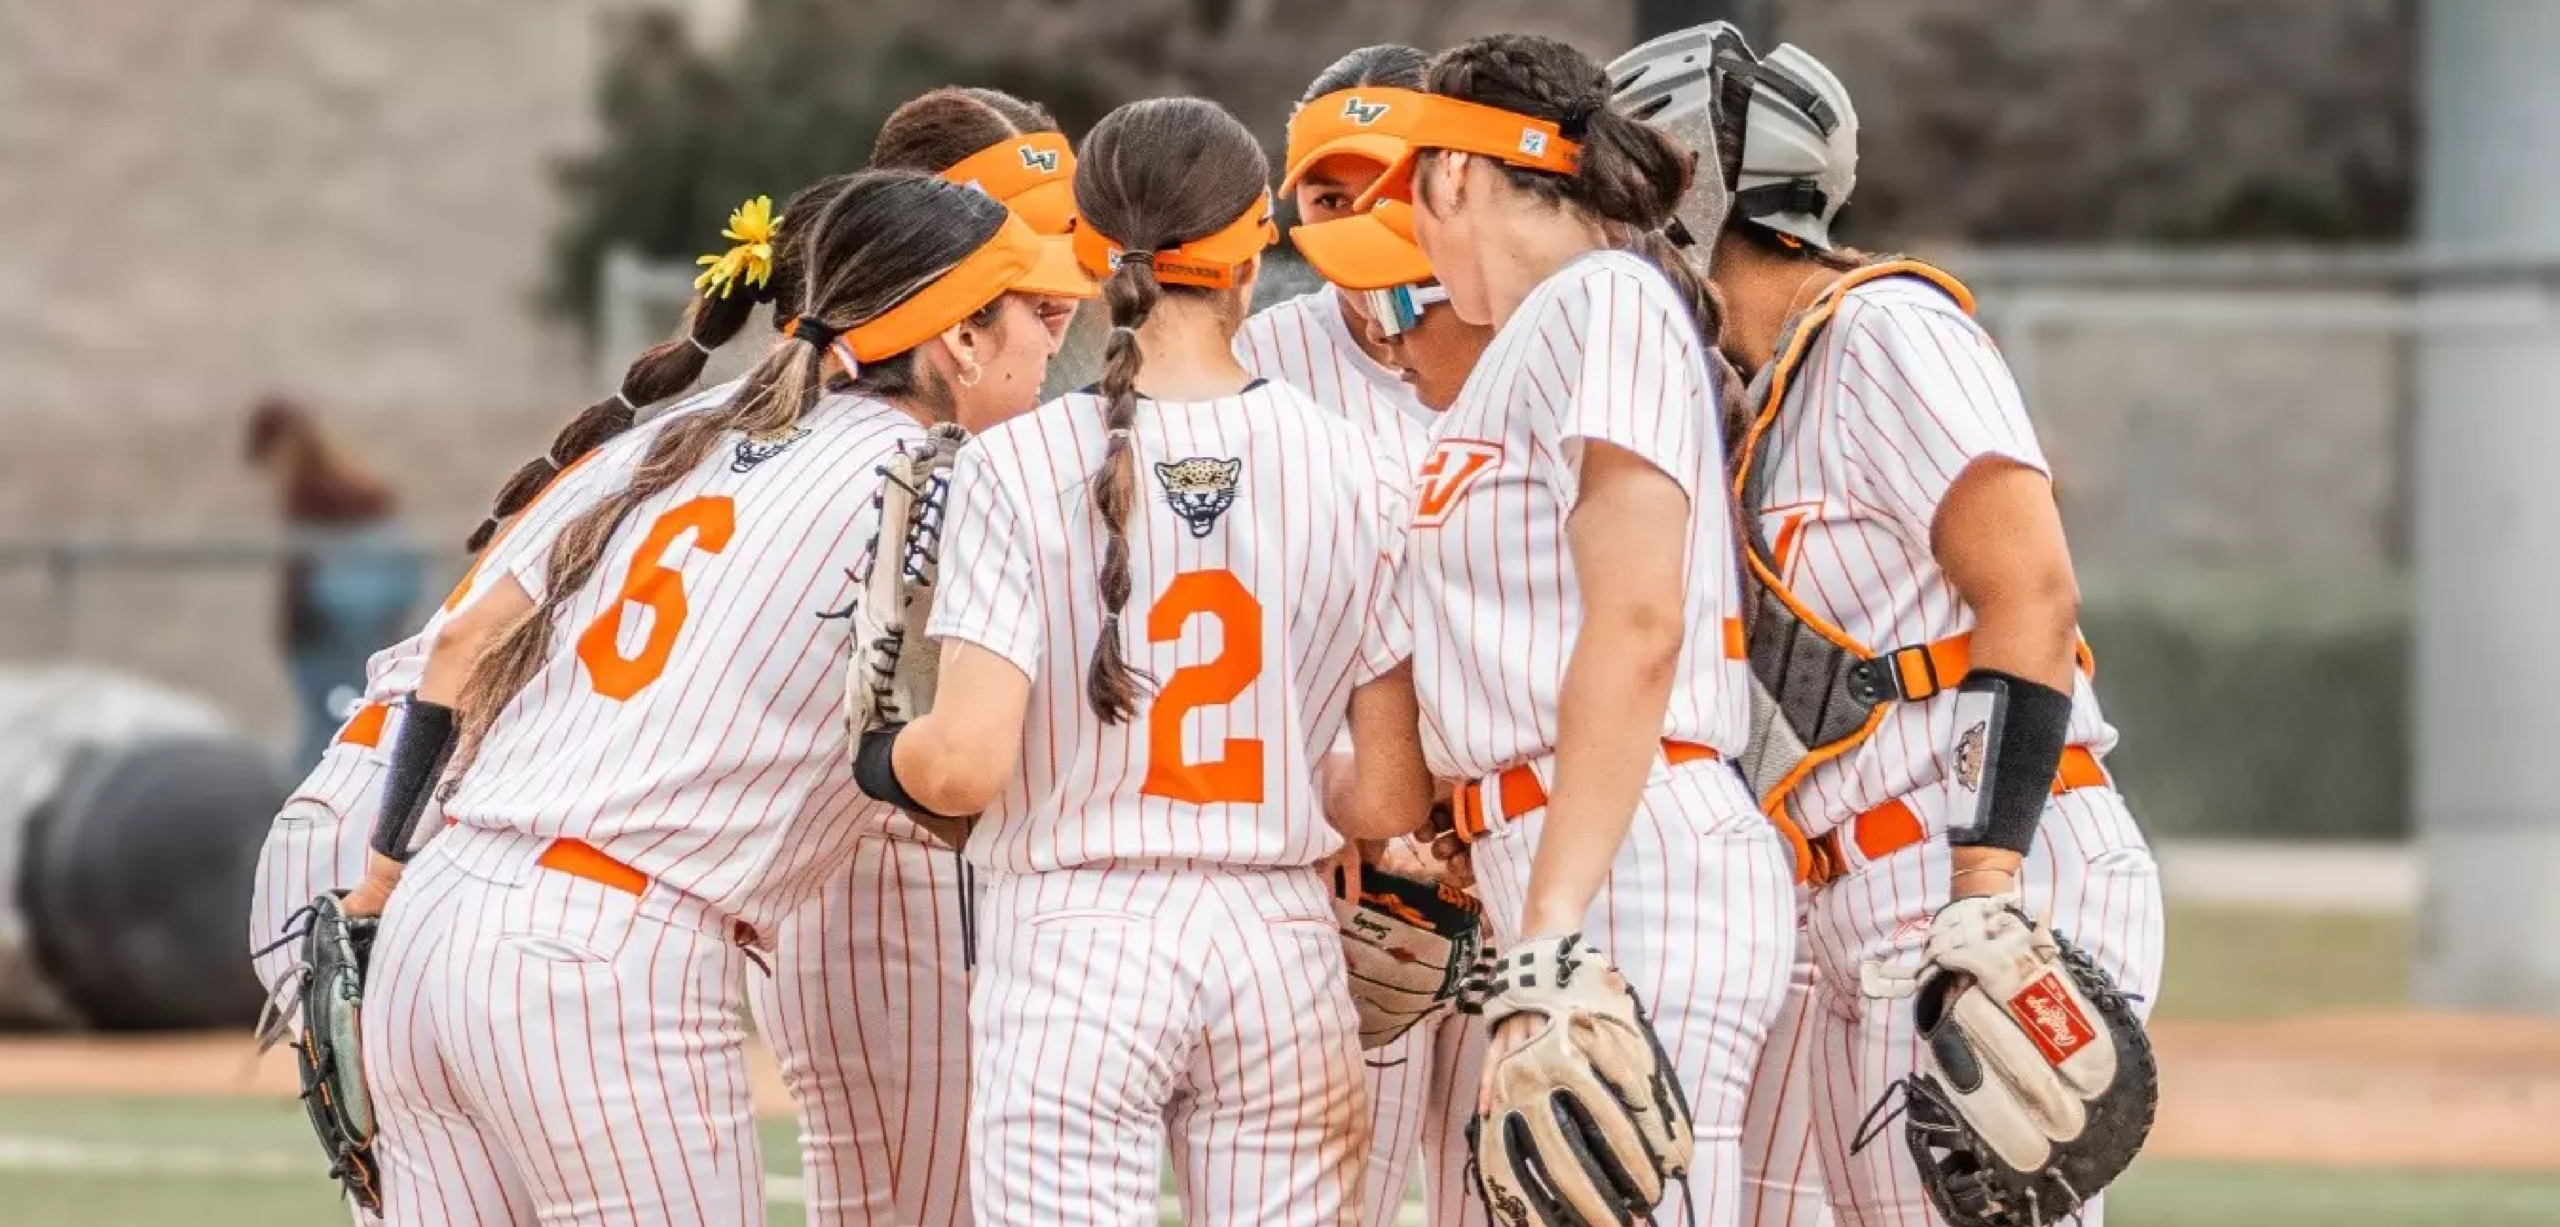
(1380,789)
(955,759)
(1630,526)
(1998,537)
(458,644)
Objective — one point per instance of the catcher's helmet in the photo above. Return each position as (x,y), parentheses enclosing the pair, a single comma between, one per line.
(1800,134)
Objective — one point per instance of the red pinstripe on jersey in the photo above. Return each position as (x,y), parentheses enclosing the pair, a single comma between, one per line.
(1311,538)
(1306,344)
(1601,350)
(1900,395)
(724,777)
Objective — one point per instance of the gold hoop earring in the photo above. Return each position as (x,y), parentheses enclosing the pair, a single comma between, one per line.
(971,374)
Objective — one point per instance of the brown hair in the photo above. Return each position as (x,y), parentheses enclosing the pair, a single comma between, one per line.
(1630,177)
(1150,176)
(936,131)
(1392,65)
(664,369)
(884,236)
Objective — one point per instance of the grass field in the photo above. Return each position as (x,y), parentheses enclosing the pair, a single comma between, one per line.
(104,1161)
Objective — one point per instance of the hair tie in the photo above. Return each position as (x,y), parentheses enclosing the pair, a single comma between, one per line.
(1147,258)
(1575,121)
(751,232)
(627,402)
(810,331)
(1121,433)
(698,346)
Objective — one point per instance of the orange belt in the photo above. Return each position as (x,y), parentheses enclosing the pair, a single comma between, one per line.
(1520,794)
(1892,826)
(581,860)
(365,727)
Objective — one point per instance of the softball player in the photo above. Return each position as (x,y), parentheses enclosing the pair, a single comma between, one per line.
(317,843)
(1349,349)
(1161,957)
(1901,510)
(867,1009)
(640,797)
(1573,571)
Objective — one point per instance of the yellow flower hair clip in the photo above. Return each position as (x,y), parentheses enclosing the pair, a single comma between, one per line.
(752,227)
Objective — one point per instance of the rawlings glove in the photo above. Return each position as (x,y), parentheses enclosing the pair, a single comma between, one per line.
(323,994)
(895,668)
(1587,1124)
(2037,1084)
(1409,943)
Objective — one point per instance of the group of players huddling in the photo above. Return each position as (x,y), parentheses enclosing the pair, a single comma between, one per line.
(1591,698)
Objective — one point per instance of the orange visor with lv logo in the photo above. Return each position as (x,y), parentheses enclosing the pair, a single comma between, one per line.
(1211,262)
(1034,175)
(1440,122)
(1365,123)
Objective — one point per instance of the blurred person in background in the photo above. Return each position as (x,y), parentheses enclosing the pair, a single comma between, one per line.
(350,580)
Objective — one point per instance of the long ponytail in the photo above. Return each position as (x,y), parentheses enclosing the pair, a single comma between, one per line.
(711,319)
(883,237)
(1111,686)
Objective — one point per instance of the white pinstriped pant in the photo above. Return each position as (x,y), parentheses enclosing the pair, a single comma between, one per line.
(1781,1165)
(867,1011)
(545,1049)
(1422,1092)
(1699,914)
(2090,871)
(1119,1009)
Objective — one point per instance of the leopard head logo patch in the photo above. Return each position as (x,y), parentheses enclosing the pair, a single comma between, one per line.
(1200,490)
(1969,755)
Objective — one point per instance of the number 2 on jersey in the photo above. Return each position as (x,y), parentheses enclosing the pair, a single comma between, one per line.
(1236,774)
(659,588)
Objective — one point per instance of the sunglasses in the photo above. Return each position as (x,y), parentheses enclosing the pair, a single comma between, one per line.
(1398,309)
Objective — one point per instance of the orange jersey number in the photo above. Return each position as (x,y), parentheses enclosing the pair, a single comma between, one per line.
(659,588)
(1236,774)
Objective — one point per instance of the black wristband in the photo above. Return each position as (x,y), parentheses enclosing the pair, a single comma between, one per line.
(875,771)
(2010,734)
(417,764)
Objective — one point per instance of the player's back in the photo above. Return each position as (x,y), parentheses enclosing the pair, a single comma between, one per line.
(687,719)
(1262,547)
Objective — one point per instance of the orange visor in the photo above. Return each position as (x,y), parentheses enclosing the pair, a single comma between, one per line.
(1211,262)
(1034,176)
(1366,123)
(1467,127)
(984,276)
(1366,251)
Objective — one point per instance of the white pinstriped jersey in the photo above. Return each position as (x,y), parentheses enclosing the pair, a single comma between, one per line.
(1902,391)
(1262,547)
(390,674)
(687,722)
(1601,350)
(1307,344)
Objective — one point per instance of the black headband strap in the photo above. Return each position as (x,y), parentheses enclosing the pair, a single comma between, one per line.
(814,332)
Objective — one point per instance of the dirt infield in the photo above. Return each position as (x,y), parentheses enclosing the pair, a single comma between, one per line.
(2402,1090)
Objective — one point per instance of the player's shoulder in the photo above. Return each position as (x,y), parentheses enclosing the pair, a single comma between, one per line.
(1604,288)
(1290,317)
(1889,307)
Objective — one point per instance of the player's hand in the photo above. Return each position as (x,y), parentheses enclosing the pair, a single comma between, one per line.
(381,877)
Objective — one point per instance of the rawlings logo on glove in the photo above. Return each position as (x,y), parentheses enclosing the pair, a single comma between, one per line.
(2037,1085)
